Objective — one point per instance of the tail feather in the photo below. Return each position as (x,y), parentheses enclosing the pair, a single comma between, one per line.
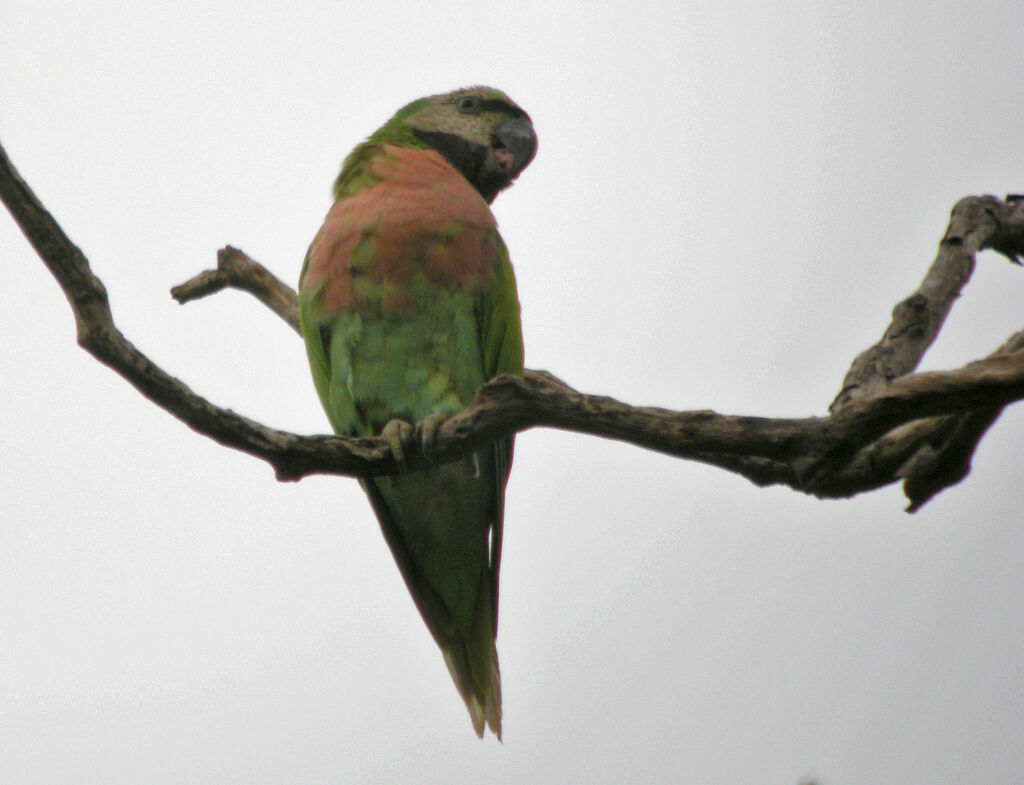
(467,643)
(473,664)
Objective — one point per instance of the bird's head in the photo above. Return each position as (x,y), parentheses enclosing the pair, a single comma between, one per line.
(479,130)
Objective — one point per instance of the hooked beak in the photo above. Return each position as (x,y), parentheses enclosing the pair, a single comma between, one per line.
(513,146)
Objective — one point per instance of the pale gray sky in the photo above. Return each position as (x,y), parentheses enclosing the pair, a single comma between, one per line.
(728,199)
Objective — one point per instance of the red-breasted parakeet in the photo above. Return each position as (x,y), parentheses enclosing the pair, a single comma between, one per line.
(408,304)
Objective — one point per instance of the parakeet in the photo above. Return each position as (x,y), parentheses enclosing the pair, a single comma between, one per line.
(408,305)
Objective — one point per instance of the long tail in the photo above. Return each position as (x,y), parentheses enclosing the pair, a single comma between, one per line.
(469,652)
(473,664)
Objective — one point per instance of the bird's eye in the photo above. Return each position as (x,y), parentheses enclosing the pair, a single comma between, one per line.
(468,104)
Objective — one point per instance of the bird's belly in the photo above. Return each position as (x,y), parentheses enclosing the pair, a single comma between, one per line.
(424,361)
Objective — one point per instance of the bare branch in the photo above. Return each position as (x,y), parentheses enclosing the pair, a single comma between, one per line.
(937,454)
(237,271)
(976,223)
(874,436)
(946,446)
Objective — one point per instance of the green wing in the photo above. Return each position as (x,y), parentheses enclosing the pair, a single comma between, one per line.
(501,343)
(320,335)
(501,335)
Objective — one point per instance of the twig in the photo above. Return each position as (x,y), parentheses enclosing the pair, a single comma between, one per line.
(936,454)
(237,271)
(976,223)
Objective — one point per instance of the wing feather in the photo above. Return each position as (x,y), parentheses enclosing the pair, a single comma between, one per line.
(501,343)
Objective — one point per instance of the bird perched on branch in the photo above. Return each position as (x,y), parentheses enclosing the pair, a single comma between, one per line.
(408,305)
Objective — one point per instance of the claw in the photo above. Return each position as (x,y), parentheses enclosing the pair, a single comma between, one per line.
(426,429)
(398,434)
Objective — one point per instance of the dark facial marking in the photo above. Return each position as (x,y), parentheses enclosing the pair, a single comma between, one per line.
(469,158)
(501,107)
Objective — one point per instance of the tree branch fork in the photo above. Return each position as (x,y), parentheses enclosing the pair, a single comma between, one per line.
(887,424)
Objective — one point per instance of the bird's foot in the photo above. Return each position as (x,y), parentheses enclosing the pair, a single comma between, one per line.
(399,435)
(426,430)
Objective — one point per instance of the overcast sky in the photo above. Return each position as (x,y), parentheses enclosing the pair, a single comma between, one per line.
(728,200)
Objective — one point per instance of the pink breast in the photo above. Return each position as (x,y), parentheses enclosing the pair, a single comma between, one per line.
(422,219)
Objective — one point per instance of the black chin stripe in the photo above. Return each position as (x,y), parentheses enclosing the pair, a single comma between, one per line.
(470,159)
(465,156)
